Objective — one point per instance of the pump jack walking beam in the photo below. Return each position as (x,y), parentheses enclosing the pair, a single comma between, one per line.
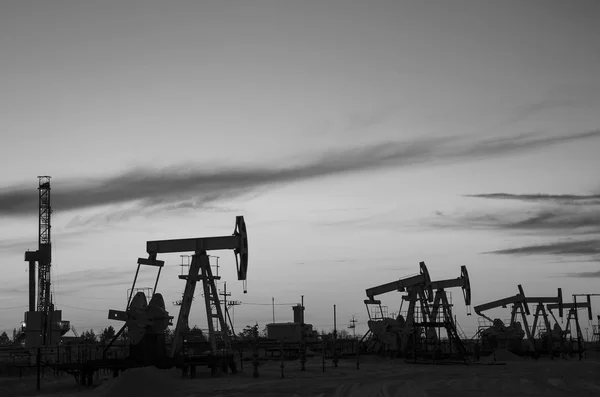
(238,242)
(441,298)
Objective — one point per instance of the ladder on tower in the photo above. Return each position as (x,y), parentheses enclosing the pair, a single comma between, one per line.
(217,327)
(200,270)
(596,335)
(460,331)
(455,340)
(214,315)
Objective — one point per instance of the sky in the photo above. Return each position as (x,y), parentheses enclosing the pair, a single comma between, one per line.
(356,138)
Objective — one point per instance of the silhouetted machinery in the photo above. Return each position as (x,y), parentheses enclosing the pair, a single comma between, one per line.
(496,334)
(43,325)
(596,335)
(392,335)
(147,321)
(566,341)
(418,335)
(516,337)
(441,317)
(545,339)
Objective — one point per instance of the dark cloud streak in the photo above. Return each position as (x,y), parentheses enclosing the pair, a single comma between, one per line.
(543,220)
(175,185)
(595,274)
(565,215)
(581,247)
(558,198)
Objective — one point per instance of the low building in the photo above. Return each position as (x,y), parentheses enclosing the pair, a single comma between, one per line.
(292,331)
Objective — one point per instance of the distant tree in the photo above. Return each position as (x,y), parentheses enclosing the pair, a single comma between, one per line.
(106,335)
(18,338)
(197,333)
(344,334)
(264,333)
(341,333)
(249,332)
(89,336)
(4,339)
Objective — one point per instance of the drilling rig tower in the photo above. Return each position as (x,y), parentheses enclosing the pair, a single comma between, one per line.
(43,325)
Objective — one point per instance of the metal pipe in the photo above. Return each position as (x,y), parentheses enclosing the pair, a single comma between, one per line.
(156,282)
(133,285)
(225,302)
(334,322)
(31,286)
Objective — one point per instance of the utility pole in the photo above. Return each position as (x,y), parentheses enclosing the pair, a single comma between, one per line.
(273,304)
(224,294)
(233,304)
(352,326)
(335,357)
(334,322)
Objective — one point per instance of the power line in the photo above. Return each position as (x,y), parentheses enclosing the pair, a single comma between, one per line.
(85,297)
(12,307)
(83,308)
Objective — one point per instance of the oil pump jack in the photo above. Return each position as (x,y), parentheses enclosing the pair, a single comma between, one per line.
(393,335)
(548,338)
(147,322)
(572,322)
(496,334)
(441,316)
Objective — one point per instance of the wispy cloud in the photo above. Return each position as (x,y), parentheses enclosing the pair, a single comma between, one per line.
(551,213)
(74,230)
(556,198)
(565,96)
(203,186)
(544,220)
(595,274)
(78,282)
(575,247)
(518,144)
(572,216)
(123,213)
(86,280)
(20,245)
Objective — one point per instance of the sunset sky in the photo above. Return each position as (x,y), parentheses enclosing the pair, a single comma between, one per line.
(357,138)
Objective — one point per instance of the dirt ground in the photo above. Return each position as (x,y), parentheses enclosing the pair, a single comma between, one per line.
(376,377)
